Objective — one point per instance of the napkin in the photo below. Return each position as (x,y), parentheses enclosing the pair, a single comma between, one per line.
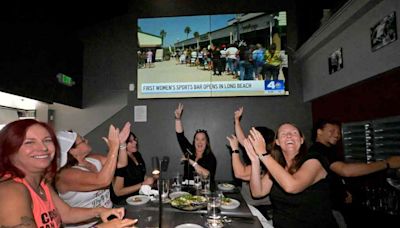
(146,190)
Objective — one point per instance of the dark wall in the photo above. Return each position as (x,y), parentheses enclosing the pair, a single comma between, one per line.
(375,98)
(157,135)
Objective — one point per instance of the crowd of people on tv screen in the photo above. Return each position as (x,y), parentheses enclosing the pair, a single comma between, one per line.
(53,179)
(242,61)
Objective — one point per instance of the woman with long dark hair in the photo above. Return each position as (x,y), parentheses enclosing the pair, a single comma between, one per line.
(198,154)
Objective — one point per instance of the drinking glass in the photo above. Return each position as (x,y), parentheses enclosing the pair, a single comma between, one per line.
(205,184)
(197,180)
(178,182)
(214,207)
(165,190)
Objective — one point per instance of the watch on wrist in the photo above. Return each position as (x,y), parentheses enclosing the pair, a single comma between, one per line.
(260,156)
(235,151)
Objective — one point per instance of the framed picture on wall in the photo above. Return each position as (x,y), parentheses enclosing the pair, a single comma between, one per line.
(335,61)
(384,32)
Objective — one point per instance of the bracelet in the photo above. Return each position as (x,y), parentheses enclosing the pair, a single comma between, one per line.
(260,156)
(122,146)
(194,164)
(235,151)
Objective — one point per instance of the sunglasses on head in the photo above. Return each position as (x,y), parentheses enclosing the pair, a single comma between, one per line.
(201,131)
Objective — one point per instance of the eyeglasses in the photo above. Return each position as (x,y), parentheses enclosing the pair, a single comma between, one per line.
(83,140)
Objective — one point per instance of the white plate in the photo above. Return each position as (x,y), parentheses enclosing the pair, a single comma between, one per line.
(174,195)
(137,200)
(232,205)
(226,187)
(188,225)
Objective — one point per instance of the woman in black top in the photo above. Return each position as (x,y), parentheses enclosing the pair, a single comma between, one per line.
(297,182)
(198,154)
(128,180)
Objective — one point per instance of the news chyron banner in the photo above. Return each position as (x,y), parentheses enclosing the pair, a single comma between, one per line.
(219,87)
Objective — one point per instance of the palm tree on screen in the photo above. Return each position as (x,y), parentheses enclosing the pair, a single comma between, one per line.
(197,37)
(163,34)
(187,31)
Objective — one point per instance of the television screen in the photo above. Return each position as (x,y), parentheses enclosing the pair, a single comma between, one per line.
(212,56)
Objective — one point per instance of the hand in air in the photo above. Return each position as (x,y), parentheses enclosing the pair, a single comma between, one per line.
(178,111)
(250,150)
(238,114)
(112,139)
(124,134)
(257,140)
(233,142)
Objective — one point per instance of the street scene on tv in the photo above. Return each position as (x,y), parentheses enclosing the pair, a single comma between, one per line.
(213,55)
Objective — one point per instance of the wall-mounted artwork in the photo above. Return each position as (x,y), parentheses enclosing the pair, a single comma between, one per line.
(335,61)
(384,32)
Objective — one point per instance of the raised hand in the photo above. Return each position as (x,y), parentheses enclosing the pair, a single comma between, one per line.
(238,114)
(124,134)
(233,142)
(112,139)
(178,111)
(257,141)
(250,150)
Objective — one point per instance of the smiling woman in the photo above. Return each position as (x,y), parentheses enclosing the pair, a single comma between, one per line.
(28,162)
(198,155)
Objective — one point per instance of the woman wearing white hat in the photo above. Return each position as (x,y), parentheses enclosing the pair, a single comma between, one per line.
(84,178)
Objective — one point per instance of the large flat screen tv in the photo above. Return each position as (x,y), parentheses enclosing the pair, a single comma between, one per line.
(212,56)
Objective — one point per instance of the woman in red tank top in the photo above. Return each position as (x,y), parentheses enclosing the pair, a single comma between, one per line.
(28,163)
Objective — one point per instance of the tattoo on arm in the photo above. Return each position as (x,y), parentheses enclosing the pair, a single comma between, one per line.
(25,222)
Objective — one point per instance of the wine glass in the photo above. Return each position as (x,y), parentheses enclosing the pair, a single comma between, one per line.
(197,180)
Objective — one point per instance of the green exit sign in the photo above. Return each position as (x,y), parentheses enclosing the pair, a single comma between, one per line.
(65,80)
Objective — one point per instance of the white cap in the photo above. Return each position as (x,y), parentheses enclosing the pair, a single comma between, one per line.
(66,140)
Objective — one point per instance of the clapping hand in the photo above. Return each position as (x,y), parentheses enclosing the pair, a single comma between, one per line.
(124,134)
(257,141)
(112,139)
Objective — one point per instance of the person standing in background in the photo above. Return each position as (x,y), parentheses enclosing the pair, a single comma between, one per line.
(326,134)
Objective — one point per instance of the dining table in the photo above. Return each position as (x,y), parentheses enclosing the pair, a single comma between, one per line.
(148,213)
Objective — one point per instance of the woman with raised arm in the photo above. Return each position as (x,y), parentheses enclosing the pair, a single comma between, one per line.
(297,181)
(28,162)
(84,178)
(131,172)
(242,168)
(198,154)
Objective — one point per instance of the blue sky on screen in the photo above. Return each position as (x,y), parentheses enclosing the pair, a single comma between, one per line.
(175,26)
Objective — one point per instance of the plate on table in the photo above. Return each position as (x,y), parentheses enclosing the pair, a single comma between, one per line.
(189,202)
(137,200)
(188,225)
(174,195)
(229,203)
(226,186)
